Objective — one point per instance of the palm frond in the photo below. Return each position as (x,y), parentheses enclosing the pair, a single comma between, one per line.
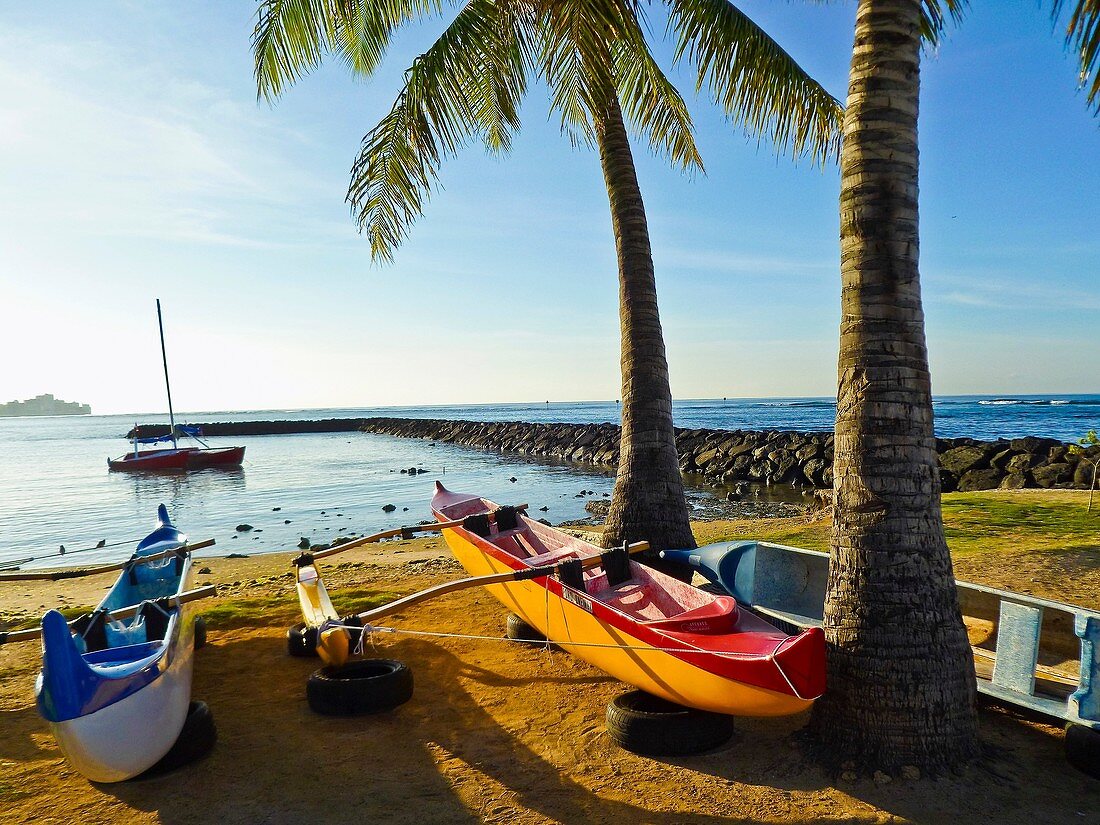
(935,15)
(291,37)
(467,85)
(652,104)
(1083,35)
(756,82)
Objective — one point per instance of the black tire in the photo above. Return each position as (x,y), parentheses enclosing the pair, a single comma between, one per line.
(518,630)
(1083,749)
(365,686)
(200,633)
(197,738)
(301,641)
(650,726)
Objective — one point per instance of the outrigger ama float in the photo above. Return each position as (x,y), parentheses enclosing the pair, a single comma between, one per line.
(115,684)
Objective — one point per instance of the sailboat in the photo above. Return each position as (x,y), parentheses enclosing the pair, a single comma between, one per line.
(175,457)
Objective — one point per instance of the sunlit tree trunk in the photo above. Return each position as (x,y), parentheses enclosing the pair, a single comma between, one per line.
(648,500)
(901,677)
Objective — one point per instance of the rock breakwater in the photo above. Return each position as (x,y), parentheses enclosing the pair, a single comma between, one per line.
(770,457)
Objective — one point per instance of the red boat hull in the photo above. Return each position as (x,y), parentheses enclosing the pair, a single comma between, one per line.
(182,458)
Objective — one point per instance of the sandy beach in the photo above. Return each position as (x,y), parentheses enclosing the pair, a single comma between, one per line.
(495,732)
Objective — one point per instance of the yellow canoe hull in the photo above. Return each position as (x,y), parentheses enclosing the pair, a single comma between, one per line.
(617,652)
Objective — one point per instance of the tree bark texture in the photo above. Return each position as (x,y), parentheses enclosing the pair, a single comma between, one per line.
(900,670)
(648,500)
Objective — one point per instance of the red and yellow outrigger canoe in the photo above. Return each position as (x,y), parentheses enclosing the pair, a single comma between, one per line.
(646,628)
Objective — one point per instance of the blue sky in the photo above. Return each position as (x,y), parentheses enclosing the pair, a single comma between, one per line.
(137,164)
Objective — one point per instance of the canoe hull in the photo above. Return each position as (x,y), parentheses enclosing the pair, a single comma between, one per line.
(627,657)
(127,737)
(118,704)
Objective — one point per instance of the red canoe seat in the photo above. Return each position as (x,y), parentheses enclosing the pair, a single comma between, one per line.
(718,616)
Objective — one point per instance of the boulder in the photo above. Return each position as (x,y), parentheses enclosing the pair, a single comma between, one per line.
(1020,463)
(948,481)
(979,480)
(1047,475)
(702,459)
(814,470)
(1030,444)
(1083,475)
(1014,481)
(961,459)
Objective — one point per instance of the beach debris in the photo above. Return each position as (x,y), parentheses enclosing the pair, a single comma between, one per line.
(546,522)
(233,537)
(102,543)
(544,509)
(513,479)
(303,543)
(276,509)
(243,528)
(388,508)
(321,546)
(404,509)
(286,521)
(237,556)
(204,571)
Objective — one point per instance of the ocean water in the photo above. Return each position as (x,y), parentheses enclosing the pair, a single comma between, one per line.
(55,487)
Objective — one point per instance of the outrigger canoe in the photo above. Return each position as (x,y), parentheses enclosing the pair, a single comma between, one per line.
(645,628)
(116,691)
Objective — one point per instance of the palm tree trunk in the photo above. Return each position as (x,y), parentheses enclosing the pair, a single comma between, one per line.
(901,677)
(648,500)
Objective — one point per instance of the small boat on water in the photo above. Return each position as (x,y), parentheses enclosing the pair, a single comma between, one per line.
(648,629)
(175,457)
(116,692)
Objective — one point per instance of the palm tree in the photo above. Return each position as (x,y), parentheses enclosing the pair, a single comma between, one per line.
(901,675)
(594,57)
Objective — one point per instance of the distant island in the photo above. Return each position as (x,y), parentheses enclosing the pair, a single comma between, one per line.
(44,405)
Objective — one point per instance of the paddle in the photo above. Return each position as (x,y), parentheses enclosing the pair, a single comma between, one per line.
(122,613)
(404,532)
(80,572)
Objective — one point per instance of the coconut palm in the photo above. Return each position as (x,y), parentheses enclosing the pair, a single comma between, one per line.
(594,58)
(901,676)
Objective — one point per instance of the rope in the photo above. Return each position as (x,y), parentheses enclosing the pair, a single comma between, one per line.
(369,628)
(84,550)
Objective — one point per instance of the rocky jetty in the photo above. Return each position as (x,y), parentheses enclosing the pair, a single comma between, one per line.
(770,457)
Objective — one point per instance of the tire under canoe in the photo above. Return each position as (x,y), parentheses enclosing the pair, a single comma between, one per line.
(650,726)
(196,739)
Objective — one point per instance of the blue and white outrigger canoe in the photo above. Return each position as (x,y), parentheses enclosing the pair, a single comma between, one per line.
(116,690)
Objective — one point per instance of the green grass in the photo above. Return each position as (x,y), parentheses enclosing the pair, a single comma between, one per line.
(975,523)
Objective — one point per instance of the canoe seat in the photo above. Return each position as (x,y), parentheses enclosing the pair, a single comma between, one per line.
(719,616)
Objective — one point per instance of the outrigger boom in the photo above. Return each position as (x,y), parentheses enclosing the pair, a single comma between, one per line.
(185,597)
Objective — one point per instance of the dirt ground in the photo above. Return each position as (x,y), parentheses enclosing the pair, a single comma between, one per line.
(495,732)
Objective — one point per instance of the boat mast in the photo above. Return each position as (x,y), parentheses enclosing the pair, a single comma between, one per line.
(167,385)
